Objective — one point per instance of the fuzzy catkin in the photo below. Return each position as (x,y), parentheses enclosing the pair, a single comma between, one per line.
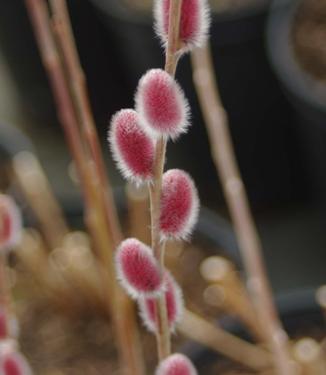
(194,22)
(174,305)
(138,270)
(179,205)
(161,104)
(132,149)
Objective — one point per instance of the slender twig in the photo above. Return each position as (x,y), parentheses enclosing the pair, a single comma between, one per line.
(138,213)
(39,16)
(234,191)
(77,82)
(69,108)
(129,339)
(163,332)
(198,329)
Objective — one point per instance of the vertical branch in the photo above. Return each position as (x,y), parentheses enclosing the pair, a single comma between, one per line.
(101,216)
(171,60)
(39,16)
(234,191)
(126,321)
(76,77)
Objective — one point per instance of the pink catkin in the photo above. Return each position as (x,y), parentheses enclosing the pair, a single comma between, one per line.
(132,149)
(14,363)
(138,269)
(161,104)
(176,364)
(179,205)
(194,21)
(174,305)
(10,223)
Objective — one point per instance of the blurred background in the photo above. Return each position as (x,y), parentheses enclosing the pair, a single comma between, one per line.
(270,61)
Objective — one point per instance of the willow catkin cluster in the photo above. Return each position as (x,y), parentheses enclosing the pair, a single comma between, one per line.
(161,112)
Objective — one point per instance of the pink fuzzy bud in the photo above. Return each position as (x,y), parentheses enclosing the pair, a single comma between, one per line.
(161,104)
(194,21)
(176,364)
(10,223)
(132,149)
(138,269)
(174,305)
(13,363)
(179,204)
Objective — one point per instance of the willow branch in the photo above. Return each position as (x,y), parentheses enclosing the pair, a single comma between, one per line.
(224,158)
(171,60)
(78,86)
(69,108)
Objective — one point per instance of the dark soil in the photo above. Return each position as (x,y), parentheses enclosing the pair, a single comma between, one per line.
(309,35)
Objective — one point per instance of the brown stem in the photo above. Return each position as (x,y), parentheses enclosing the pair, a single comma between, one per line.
(163,332)
(129,338)
(138,212)
(78,86)
(39,16)
(98,217)
(234,191)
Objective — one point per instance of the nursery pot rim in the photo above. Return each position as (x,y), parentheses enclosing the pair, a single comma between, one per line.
(288,70)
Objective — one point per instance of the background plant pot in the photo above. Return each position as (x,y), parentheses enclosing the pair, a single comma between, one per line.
(300,314)
(307,96)
(259,115)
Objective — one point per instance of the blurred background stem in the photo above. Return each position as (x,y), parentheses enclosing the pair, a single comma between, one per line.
(225,161)
(63,69)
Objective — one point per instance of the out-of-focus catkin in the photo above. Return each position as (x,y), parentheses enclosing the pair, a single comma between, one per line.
(10,223)
(14,363)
